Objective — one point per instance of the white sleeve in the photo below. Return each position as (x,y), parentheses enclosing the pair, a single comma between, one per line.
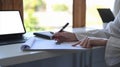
(112,53)
(93,33)
(116,7)
(112,28)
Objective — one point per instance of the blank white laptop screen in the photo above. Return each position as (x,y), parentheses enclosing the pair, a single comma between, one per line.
(11,23)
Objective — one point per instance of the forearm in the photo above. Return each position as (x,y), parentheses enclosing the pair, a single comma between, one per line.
(92,33)
(99,42)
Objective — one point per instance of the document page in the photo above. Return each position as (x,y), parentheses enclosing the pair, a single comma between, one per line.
(44,44)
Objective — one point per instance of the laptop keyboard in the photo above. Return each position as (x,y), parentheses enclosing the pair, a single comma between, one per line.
(12,41)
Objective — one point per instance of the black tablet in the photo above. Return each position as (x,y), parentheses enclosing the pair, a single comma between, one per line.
(106,14)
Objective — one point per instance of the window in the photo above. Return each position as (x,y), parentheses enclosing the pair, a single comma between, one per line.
(76,8)
(40,15)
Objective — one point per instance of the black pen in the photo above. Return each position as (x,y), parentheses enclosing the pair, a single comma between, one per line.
(62,30)
(63,27)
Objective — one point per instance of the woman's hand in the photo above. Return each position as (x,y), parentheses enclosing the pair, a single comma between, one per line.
(65,37)
(90,42)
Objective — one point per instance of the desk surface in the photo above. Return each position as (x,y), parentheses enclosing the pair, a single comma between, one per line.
(12,54)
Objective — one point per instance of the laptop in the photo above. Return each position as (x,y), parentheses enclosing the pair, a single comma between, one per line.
(106,15)
(11,27)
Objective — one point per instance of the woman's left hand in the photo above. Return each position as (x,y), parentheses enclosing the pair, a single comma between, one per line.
(90,42)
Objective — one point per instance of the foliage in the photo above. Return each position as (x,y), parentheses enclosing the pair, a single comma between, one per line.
(31,22)
(31,7)
(60,7)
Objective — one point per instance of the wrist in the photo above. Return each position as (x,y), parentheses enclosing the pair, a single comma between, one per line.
(99,41)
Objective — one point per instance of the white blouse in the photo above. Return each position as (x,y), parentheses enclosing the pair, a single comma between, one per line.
(112,33)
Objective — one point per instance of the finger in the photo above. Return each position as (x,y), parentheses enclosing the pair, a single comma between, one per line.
(56,38)
(88,44)
(84,42)
(76,43)
(58,34)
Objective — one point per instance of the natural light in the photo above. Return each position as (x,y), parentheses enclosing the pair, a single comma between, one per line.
(41,15)
(49,15)
(92,16)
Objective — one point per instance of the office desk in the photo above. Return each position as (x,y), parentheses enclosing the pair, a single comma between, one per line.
(12,54)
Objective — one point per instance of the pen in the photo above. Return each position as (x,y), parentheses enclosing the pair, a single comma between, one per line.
(63,27)
(62,30)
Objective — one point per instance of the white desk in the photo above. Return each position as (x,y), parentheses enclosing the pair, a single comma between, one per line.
(12,54)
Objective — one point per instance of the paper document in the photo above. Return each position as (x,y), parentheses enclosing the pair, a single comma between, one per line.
(44,44)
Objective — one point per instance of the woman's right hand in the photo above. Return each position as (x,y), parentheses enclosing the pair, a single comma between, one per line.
(65,37)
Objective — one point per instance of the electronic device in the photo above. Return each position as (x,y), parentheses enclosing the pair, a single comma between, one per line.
(11,27)
(46,35)
(106,14)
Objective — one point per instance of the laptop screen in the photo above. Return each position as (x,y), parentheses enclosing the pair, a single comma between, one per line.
(11,23)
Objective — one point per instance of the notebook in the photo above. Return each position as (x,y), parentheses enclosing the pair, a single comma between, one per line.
(38,44)
(11,27)
(106,15)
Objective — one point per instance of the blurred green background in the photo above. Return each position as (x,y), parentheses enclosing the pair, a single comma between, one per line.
(31,7)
